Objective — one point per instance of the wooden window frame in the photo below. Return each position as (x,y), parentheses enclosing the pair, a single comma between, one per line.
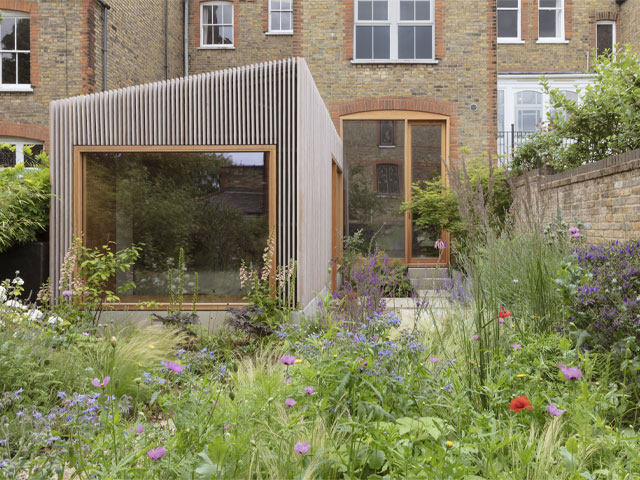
(79,214)
(410,118)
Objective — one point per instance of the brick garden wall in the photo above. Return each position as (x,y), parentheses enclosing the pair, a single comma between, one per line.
(604,196)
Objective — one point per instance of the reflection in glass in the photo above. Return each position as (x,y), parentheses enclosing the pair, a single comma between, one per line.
(213,205)
(377,213)
(426,162)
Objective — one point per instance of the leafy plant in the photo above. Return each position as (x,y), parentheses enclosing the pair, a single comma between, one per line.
(604,122)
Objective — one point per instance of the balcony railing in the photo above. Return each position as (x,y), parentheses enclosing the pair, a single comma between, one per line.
(510,140)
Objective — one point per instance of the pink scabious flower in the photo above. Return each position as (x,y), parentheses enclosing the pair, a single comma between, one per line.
(475,337)
(570,373)
(174,367)
(156,453)
(516,346)
(290,402)
(98,384)
(309,391)
(287,380)
(288,360)
(553,410)
(67,293)
(139,429)
(302,448)
(434,359)
(226,427)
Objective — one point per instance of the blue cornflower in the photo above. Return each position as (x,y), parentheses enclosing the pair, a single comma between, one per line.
(448,387)
(62,395)
(2,442)
(37,415)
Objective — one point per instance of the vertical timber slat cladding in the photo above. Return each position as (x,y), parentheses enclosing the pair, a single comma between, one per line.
(256,105)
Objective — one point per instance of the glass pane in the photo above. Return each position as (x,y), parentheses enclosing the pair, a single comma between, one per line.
(8,34)
(286,21)
(23,34)
(547,24)
(386,133)
(383,181)
(426,164)
(405,42)
(507,3)
(508,23)
(380,10)
(424,43)
(381,47)
(605,38)
(364,42)
(212,205)
(7,157)
(275,21)
(549,3)
(528,97)
(227,14)
(207,32)
(216,17)
(275,4)
(423,10)
(207,15)
(365,10)
(394,180)
(406,10)
(528,120)
(227,35)
(24,68)
(8,68)
(285,4)
(30,160)
(377,215)
(500,110)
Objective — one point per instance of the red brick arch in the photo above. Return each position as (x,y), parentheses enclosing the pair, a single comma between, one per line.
(24,130)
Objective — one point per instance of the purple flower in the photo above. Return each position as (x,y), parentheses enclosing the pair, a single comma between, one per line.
(288,360)
(553,410)
(516,346)
(475,337)
(226,427)
(574,230)
(434,359)
(98,384)
(570,373)
(440,245)
(309,391)
(174,367)
(287,380)
(289,402)
(86,334)
(139,429)
(156,453)
(67,293)
(302,448)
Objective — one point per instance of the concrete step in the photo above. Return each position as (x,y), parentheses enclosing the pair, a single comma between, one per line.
(410,303)
(428,272)
(428,283)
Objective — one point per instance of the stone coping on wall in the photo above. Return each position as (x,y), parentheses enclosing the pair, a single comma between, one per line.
(609,166)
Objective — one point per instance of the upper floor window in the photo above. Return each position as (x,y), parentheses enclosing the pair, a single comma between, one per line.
(216,25)
(551,20)
(605,37)
(15,51)
(508,19)
(528,110)
(281,16)
(394,30)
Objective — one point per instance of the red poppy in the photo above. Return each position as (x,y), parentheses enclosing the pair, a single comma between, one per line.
(504,314)
(520,403)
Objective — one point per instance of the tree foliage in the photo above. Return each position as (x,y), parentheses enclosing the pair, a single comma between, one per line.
(604,122)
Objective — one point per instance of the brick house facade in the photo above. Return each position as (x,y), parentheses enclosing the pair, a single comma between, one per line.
(66,42)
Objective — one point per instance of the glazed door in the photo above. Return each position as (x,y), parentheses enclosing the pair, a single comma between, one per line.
(426,142)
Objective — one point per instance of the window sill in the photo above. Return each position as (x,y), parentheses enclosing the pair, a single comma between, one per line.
(217,47)
(281,34)
(552,40)
(16,88)
(400,62)
(508,41)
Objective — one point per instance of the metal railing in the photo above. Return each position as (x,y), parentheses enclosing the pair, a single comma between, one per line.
(508,141)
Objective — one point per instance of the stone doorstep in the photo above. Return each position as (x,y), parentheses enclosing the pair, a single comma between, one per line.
(428,272)
(428,283)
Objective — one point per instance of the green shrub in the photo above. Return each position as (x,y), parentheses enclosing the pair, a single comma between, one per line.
(24,204)
(605,122)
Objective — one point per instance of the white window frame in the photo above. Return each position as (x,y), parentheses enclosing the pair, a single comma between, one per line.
(15,87)
(517,39)
(560,30)
(393,22)
(20,143)
(529,107)
(613,37)
(280,10)
(202,26)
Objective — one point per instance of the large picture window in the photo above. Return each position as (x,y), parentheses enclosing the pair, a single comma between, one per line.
(216,25)
(394,30)
(216,206)
(15,51)
(551,20)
